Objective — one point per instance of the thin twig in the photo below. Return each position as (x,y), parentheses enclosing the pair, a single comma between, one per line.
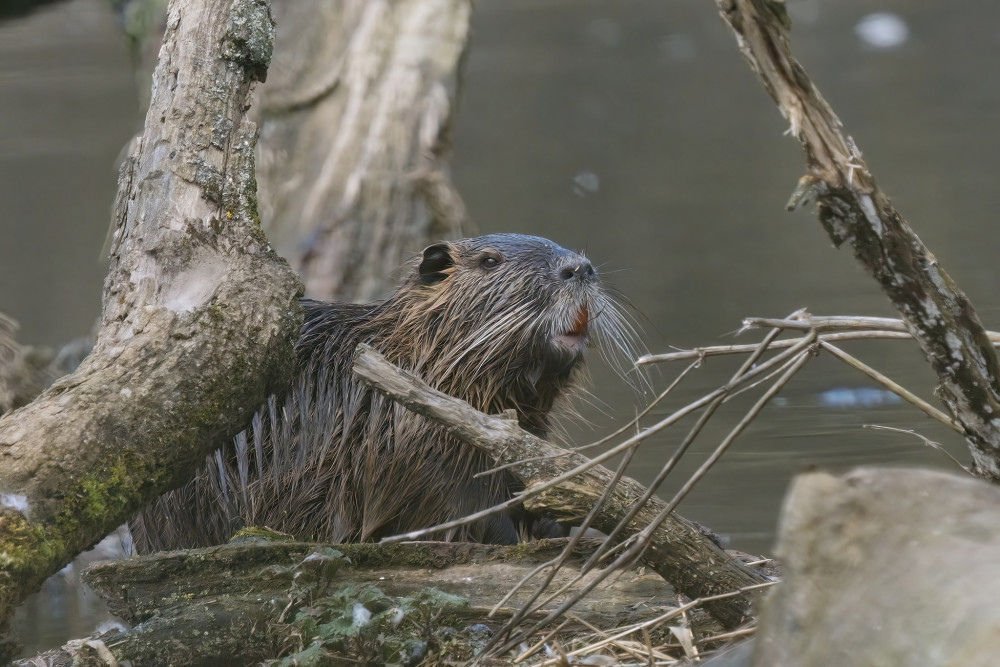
(721,449)
(742,632)
(653,622)
(566,552)
(792,353)
(745,370)
(516,587)
(604,635)
(737,378)
(649,646)
(826,323)
(892,386)
(927,441)
(719,350)
(841,323)
(642,540)
(776,372)
(531,650)
(633,422)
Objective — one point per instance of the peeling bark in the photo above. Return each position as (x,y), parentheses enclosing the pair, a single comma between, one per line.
(854,210)
(199,313)
(679,551)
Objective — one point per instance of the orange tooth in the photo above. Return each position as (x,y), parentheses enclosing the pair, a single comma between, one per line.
(580,323)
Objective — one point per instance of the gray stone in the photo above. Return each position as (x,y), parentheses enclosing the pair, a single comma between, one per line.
(886,567)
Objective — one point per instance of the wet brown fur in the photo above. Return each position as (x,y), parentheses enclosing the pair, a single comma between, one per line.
(334,460)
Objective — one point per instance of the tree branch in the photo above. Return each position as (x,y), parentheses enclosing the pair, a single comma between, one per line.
(852,209)
(679,552)
(199,313)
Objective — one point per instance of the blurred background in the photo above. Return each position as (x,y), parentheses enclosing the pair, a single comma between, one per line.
(632,130)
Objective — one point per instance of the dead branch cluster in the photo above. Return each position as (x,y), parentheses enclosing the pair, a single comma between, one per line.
(640,527)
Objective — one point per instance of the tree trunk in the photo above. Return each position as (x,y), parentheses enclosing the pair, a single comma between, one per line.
(354,136)
(355,133)
(199,313)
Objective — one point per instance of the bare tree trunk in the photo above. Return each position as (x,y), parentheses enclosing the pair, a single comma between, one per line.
(853,209)
(355,125)
(199,313)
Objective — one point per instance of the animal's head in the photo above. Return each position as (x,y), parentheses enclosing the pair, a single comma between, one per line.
(509,311)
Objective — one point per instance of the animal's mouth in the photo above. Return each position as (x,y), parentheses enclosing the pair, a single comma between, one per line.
(575,338)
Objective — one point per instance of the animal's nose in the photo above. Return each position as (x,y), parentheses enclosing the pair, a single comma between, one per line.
(577,268)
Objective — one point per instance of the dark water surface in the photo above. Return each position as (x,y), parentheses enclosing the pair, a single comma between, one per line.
(633,130)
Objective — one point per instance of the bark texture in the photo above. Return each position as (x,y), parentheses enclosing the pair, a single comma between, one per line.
(355,134)
(199,313)
(679,551)
(355,123)
(854,210)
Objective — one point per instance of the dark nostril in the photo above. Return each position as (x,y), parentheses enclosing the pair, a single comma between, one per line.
(567,274)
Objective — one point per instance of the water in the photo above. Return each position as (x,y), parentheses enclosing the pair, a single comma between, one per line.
(632,130)
(68,105)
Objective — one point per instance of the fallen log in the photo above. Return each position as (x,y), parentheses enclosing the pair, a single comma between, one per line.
(234,604)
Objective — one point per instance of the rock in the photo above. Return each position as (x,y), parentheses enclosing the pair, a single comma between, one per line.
(886,567)
(735,655)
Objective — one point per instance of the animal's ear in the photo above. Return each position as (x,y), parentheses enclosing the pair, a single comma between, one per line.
(436,263)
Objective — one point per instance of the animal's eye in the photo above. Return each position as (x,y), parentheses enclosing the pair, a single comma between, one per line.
(490,262)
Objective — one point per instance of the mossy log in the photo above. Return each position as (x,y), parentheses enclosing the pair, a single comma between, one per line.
(227,605)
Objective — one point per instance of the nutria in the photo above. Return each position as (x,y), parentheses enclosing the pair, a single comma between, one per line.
(500,321)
